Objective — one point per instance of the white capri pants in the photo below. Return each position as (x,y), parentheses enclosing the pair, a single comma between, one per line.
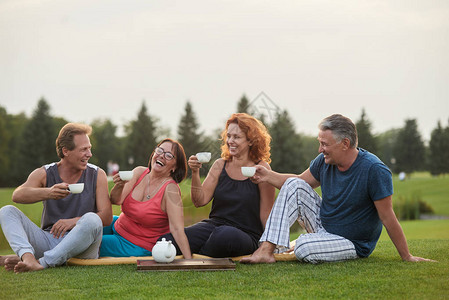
(297,201)
(83,241)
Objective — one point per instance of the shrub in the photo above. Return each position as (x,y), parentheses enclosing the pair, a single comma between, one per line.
(410,208)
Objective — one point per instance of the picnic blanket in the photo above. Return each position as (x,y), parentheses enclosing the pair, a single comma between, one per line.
(286,256)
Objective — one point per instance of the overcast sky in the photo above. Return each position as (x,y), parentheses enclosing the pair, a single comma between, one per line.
(101,59)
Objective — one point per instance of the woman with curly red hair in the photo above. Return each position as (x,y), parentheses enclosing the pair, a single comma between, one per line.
(240,208)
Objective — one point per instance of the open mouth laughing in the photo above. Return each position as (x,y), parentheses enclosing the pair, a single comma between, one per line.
(159,163)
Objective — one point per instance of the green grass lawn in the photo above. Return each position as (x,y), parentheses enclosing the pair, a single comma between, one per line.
(382,275)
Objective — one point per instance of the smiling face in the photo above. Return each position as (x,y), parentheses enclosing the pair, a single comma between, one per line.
(160,163)
(80,155)
(237,141)
(331,149)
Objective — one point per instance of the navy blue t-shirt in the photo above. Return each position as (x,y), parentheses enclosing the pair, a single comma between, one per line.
(348,197)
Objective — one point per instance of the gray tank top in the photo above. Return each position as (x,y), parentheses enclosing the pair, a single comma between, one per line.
(74,205)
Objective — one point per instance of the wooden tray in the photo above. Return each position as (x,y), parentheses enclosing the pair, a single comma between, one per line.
(209,264)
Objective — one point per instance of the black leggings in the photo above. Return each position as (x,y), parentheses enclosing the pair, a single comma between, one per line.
(214,240)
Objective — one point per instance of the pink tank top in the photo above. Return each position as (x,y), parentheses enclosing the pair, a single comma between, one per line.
(142,223)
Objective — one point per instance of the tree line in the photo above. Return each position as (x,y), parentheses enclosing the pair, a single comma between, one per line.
(27,143)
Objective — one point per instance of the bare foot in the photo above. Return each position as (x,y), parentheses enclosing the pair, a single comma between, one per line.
(28,264)
(5,257)
(11,261)
(263,255)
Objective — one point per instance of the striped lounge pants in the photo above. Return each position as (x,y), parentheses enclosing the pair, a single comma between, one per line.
(297,201)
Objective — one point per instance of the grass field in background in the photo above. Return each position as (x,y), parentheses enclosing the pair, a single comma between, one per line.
(433,190)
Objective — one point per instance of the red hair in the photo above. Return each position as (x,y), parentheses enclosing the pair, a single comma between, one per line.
(256,133)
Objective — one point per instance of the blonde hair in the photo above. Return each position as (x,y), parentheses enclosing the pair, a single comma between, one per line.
(66,134)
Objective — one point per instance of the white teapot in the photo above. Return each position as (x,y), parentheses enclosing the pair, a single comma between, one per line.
(163,251)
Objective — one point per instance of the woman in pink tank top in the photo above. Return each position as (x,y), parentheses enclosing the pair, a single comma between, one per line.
(151,205)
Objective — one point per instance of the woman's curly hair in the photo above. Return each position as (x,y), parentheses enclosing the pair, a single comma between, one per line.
(256,133)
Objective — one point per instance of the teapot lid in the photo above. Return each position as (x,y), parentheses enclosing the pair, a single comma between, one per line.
(163,241)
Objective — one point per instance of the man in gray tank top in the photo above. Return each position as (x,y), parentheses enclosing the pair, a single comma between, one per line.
(72,223)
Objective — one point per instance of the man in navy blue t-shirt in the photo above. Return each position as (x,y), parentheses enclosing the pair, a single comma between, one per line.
(356,200)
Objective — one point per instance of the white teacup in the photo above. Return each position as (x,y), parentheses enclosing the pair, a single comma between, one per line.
(125,175)
(203,157)
(248,171)
(76,188)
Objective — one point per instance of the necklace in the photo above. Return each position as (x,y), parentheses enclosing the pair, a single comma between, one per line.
(148,195)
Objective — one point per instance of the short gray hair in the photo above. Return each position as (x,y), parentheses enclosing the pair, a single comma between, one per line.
(341,127)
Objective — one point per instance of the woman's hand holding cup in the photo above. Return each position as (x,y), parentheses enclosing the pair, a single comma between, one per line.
(118,180)
(194,163)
